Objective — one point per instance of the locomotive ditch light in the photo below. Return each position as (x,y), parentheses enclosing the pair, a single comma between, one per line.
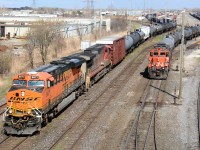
(29,112)
(10,111)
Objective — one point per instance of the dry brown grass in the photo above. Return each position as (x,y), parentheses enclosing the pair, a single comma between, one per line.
(72,45)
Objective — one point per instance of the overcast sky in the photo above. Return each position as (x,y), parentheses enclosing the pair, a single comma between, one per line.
(135,4)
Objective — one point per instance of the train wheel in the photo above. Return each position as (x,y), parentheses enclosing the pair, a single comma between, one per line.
(4,132)
(54,113)
(49,118)
(45,120)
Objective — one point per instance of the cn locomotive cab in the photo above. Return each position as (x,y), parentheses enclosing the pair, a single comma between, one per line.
(159,61)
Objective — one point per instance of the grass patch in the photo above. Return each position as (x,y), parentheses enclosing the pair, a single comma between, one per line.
(198,59)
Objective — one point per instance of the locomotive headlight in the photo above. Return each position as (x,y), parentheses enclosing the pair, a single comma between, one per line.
(10,111)
(23,93)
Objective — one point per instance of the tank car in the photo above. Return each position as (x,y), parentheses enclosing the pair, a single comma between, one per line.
(194,31)
(152,31)
(133,39)
(169,41)
(188,33)
(176,38)
(159,28)
(198,28)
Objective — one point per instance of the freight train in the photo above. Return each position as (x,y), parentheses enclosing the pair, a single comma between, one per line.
(196,15)
(161,54)
(37,96)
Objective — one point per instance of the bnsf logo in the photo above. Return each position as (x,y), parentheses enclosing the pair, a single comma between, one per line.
(24,99)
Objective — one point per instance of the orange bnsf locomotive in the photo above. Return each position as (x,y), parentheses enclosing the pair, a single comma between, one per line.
(37,96)
(34,96)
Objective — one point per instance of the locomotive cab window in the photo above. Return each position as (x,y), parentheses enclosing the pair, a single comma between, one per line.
(155,53)
(35,83)
(162,54)
(19,82)
(151,53)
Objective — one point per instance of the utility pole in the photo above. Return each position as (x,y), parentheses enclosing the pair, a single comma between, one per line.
(181,56)
(100,30)
(144,6)
(34,4)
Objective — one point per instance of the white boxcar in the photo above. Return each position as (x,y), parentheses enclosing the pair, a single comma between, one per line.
(146,30)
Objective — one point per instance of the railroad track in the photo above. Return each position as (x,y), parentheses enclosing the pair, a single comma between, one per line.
(82,124)
(198,111)
(12,141)
(145,120)
(192,46)
(3,138)
(2,108)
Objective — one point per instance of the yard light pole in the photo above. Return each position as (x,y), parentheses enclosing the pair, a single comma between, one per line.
(100,30)
(181,56)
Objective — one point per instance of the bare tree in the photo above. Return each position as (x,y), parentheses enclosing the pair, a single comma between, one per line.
(5,62)
(80,31)
(58,40)
(43,32)
(119,24)
(30,46)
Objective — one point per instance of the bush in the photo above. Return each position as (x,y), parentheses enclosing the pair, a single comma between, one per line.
(5,62)
(118,24)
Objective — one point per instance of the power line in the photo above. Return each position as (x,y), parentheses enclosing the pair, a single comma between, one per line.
(90,6)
